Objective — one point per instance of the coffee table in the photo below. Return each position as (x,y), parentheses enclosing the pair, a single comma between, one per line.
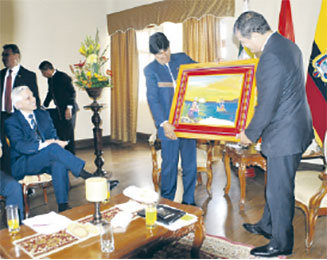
(136,238)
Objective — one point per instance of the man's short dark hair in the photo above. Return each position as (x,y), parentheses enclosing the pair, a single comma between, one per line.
(158,41)
(250,22)
(45,65)
(13,47)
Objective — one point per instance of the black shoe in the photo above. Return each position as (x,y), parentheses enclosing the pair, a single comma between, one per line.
(269,251)
(63,206)
(255,229)
(85,174)
(113,184)
(192,204)
(31,192)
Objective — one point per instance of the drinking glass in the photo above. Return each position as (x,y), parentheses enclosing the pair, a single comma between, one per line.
(150,215)
(107,237)
(12,219)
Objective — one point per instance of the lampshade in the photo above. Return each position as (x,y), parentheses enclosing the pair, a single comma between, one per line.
(96,189)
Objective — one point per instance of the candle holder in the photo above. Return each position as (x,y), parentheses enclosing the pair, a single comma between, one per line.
(96,190)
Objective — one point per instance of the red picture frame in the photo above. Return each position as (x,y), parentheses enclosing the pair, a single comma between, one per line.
(214,101)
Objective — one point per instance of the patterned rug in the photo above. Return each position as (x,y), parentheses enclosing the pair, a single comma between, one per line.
(213,247)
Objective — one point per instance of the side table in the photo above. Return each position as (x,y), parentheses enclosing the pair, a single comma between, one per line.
(241,158)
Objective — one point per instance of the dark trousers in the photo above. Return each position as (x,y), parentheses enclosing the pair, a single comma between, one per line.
(169,168)
(279,209)
(65,128)
(56,161)
(12,191)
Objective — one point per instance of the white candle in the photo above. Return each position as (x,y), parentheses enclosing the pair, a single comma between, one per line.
(96,189)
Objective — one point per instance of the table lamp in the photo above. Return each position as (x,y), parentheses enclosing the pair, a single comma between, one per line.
(96,189)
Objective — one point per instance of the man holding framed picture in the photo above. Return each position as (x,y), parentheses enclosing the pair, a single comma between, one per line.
(282,119)
(161,77)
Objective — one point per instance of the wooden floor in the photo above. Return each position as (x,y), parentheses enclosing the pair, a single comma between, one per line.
(132,166)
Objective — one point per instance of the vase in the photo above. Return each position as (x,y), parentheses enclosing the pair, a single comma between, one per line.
(94,93)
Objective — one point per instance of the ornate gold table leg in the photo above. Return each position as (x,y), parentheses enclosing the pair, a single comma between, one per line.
(199,235)
(241,176)
(227,171)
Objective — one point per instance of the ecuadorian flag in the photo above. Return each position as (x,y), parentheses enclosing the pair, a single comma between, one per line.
(316,86)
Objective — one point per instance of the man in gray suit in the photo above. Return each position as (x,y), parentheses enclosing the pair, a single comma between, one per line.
(283,120)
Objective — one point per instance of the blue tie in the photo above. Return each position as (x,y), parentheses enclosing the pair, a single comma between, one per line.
(34,127)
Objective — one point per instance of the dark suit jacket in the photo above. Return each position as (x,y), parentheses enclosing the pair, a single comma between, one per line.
(62,92)
(282,116)
(23,77)
(160,87)
(23,141)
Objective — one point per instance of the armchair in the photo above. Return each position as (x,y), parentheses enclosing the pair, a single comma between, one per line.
(204,161)
(310,196)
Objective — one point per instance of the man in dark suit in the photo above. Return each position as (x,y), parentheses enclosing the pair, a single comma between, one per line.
(283,120)
(35,147)
(161,77)
(62,92)
(12,76)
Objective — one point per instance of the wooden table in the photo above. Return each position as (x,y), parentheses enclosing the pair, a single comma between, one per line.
(136,238)
(241,158)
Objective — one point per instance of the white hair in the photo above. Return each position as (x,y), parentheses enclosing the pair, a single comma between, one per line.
(16,94)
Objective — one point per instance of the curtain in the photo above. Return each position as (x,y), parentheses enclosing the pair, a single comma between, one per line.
(201,39)
(124,94)
(176,11)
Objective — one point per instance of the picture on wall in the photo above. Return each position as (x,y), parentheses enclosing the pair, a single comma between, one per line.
(214,101)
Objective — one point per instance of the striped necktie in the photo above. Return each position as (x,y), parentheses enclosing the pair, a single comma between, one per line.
(34,127)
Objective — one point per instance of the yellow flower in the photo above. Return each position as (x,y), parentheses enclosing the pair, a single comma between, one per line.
(93,58)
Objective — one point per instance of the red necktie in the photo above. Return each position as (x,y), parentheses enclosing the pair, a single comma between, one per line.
(8,105)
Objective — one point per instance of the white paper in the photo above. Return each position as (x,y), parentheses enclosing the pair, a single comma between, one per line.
(143,195)
(47,223)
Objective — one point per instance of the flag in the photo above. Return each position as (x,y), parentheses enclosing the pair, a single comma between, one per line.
(243,52)
(285,25)
(316,86)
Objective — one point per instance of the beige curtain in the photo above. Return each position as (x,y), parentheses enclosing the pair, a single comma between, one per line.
(176,11)
(201,39)
(124,94)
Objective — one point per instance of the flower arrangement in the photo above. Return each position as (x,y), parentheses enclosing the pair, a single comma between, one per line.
(89,73)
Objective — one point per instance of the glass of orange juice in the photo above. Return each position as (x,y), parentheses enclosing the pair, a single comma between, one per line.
(12,219)
(150,215)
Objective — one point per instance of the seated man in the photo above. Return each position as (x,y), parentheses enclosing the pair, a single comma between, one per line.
(11,190)
(35,147)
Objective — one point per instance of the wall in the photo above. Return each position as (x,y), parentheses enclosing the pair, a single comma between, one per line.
(53,30)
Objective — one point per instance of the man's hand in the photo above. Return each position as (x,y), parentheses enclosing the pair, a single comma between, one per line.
(59,142)
(0,150)
(68,113)
(169,131)
(244,140)
(62,143)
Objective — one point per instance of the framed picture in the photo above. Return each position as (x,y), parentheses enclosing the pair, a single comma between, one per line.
(214,101)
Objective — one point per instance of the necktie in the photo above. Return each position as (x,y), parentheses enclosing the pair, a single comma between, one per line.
(8,105)
(34,126)
(171,75)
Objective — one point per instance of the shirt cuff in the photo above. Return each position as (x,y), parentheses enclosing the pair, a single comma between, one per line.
(163,123)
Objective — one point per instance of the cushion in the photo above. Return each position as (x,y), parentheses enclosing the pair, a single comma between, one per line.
(35,179)
(307,184)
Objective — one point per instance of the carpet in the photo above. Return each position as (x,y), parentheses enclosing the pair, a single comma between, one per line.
(213,247)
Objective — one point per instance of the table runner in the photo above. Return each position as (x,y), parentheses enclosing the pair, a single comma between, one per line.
(41,245)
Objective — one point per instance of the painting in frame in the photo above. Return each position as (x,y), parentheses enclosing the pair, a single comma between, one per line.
(214,101)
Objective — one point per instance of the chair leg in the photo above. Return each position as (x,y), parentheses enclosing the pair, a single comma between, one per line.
(45,195)
(25,196)
(155,180)
(209,182)
(312,218)
(199,178)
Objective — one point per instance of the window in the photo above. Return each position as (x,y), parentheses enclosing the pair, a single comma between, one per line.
(174,33)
